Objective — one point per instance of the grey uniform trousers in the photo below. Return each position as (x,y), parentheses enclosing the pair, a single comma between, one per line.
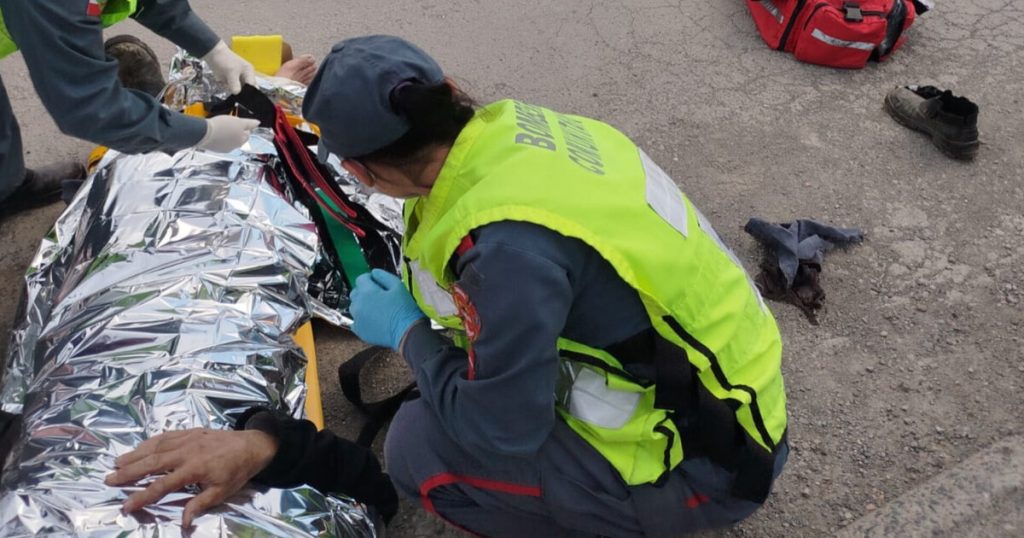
(12,163)
(567,489)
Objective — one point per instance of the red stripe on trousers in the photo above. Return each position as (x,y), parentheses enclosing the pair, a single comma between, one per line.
(697,500)
(447,479)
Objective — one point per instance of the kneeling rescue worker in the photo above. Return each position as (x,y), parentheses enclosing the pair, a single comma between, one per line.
(62,44)
(613,371)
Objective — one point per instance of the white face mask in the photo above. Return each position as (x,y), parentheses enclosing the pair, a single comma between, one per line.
(334,163)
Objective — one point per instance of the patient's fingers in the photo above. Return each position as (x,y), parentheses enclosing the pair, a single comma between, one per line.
(160,443)
(199,504)
(153,463)
(158,489)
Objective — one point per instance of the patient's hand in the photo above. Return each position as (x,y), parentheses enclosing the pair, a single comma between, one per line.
(220,462)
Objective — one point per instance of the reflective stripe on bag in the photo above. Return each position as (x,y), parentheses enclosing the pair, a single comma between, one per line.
(836,42)
(770,6)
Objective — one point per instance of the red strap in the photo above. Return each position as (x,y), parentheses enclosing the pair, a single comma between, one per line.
(297,172)
(288,139)
(310,166)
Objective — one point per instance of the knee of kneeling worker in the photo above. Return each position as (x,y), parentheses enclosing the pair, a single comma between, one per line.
(405,443)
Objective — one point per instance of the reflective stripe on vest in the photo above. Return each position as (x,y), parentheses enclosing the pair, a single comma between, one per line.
(438,301)
(110,12)
(515,161)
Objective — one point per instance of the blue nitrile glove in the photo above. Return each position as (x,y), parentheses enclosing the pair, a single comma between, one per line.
(382,309)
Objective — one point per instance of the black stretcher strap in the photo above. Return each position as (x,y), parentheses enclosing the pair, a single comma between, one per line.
(380,412)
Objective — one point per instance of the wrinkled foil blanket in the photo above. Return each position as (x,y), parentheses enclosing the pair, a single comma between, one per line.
(163,298)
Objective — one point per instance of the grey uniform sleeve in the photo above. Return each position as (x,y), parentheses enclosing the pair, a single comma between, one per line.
(63,49)
(522,300)
(175,21)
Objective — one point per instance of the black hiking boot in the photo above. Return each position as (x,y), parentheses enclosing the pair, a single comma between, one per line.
(138,68)
(951,121)
(41,186)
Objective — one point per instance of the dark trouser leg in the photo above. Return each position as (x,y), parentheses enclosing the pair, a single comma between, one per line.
(567,489)
(12,164)
(490,495)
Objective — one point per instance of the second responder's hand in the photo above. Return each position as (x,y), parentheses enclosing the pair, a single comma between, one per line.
(382,309)
(220,462)
(230,69)
(226,133)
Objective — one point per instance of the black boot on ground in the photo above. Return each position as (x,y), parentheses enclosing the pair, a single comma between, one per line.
(138,68)
(41,186)
(951,121)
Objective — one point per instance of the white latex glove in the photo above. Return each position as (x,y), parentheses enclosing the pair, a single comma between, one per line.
(229,68)
(226,133)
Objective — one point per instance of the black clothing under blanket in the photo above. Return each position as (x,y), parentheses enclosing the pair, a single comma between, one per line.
(322,460)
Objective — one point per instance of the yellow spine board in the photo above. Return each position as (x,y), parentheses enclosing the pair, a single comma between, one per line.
(314,405)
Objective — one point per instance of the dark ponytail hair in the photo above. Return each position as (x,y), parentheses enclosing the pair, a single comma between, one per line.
(437,113)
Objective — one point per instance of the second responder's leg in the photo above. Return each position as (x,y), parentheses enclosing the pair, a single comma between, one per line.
(490,495)
(22,189)
(566,489)
(12,164)
(697,496)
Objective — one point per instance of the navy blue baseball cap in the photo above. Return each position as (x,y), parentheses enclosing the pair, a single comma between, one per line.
(350,97)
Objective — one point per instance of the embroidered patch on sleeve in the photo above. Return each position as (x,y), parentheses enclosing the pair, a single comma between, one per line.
(468,313)
(470,323)
(94,8)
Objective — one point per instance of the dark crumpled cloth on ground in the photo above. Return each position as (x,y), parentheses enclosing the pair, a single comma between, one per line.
(795,251)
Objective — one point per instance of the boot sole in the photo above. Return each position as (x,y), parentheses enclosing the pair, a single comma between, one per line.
(130,39)
(158,82)
(20,202)
(963,151)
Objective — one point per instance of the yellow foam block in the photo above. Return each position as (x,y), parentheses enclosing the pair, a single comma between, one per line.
(314,404)
(195,109)
(263,51)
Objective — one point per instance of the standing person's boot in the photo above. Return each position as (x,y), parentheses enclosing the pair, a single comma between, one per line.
(138,67)
(42,186)
(950,120)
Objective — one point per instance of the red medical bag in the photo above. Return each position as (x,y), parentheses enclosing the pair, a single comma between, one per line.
(835,33)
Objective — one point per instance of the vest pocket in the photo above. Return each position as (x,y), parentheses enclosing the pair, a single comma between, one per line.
(590,399)
(615,414)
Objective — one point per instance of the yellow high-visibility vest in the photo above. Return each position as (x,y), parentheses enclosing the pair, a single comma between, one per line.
(586,180)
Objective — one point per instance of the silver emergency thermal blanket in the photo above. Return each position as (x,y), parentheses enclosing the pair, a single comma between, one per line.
(191,82)
(164,298)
